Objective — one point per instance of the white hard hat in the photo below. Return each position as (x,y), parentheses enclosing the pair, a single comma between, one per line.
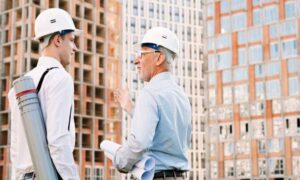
(53,20)
(162,37)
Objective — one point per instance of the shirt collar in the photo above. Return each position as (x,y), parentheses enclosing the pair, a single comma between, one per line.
(49,62)
(161,76)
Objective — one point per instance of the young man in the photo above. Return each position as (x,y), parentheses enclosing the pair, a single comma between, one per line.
(55,30)
(161,122)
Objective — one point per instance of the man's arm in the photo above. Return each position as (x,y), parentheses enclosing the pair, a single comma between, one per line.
(143,127)
(59,94)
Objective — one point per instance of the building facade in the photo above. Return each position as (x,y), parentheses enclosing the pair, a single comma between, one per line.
(253,103)
(184,17)
(96,70)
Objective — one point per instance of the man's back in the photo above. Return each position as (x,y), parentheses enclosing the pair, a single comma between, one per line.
(173,130)
(58,117)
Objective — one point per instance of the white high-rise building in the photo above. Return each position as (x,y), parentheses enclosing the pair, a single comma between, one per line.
(184,17)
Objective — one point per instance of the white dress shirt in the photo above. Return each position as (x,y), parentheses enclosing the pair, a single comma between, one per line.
(57,102)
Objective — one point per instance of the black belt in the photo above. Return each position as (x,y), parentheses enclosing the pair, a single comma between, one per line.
(30,175)
(169,173)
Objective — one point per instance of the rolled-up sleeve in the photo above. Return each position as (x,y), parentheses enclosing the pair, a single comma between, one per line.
(59,95)
(144,122)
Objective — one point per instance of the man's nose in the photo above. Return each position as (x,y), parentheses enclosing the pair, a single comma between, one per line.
(75,48)
(137,60)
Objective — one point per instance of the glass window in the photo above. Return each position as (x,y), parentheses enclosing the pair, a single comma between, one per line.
(273,31)
(262,167)
(255,35)
(245,130)
(213,149)
(276,166)
(242,56)
(242,37)
(290,9)
(212,96)
(135,8)
(132,25)
(257,108)
(210,28)
(276,106)
(240,74)
(262,146)
(255,2)
(210,9)
(212,78)
(238,4)
(225,6)
(227,95)
(176,13)
(226,77)
(273,69)
(273,89)
(214,169)
(229,167)
(225,24)
(242,147)
(270,14)
(278,127)
(224,60)
(151,10)
(259,71)
(210,44)
(239,21)
(259,130)
(289,48)
(259,90)
(289,27)
(293,65)
(276,145)
(296,166)
(274,50)
(241,93)
(211,62)
(228,149)
(293,86)
(244,110)
(243,168)
(257,17)
(255,54)
(224,41)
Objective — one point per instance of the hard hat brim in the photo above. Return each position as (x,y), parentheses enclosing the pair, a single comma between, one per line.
(76,32)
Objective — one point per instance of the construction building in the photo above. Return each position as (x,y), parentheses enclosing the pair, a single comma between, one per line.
(253,102)
(184,17)
(96,70)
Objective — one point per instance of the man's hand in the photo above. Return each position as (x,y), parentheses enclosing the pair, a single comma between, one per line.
(122,96)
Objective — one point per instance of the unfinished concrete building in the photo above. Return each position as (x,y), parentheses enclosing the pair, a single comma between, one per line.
(95,69)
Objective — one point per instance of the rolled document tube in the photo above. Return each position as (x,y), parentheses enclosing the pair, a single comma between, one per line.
(34,127)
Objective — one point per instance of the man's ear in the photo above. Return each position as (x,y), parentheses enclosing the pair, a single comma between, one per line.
(57,40)
(161,59)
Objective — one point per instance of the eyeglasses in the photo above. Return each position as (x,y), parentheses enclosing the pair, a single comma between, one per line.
(140,54)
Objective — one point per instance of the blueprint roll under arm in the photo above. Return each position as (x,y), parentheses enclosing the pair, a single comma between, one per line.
(34,127)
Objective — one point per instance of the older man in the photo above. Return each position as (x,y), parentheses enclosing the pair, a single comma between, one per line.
(161,122)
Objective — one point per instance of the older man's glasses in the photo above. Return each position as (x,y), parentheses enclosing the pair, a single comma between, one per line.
(140,54)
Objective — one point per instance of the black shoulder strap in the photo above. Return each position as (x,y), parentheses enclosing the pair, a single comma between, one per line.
(42,79)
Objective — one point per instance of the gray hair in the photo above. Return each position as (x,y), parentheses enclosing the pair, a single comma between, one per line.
(170,56)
